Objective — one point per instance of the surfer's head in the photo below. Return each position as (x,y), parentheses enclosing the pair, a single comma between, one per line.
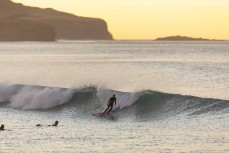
(56,123)
(113,95)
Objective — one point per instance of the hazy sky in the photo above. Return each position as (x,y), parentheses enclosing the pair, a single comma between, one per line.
(149,19)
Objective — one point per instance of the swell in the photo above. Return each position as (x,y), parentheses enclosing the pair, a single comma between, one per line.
(158,104)
(88,99)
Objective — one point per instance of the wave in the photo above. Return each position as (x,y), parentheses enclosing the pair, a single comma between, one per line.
(33,97)
(91,98)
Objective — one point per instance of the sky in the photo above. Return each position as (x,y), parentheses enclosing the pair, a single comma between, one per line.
(150,19)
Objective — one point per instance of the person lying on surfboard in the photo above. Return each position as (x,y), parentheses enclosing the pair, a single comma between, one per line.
(55,124)
(110,105)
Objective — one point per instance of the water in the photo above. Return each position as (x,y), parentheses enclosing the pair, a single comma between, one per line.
(172,96)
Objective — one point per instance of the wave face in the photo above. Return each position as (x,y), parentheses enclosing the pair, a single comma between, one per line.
(141,104)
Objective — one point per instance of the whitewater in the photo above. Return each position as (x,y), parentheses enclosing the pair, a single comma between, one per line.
(171,96)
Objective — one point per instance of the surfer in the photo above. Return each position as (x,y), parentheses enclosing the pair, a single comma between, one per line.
(110,104)
(55,124)
(2,127)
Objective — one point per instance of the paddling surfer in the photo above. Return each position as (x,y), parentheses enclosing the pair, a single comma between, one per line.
(111,102)
(2,127)
(55,124)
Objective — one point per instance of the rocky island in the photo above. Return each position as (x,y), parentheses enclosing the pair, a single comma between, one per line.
(23,23)
(182,38)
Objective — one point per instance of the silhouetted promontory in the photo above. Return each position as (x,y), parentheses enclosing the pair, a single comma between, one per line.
(23,23)
(26,30)
(182,38)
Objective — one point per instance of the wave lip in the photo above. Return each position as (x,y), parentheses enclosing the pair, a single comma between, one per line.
(89,99)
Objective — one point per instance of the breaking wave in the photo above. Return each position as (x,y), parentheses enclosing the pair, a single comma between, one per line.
(90,98)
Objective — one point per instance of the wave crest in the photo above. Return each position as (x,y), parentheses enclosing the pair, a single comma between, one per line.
(45,98)
(142,103)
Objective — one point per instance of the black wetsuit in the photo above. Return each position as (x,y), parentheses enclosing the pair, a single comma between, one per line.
(111,102)
(2,128)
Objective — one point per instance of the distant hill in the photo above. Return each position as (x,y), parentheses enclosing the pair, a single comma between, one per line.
(25,31)
(182,38)
(36,23)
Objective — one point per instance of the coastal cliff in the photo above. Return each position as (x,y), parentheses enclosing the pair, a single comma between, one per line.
(25,31)
(64,25)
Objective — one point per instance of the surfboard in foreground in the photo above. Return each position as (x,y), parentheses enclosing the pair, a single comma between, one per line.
(103,115)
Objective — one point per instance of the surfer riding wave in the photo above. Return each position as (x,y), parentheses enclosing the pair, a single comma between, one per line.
(111,102)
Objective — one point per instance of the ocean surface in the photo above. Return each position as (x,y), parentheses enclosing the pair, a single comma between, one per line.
(172,97)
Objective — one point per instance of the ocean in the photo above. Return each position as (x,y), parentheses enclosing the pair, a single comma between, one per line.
(172,97)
